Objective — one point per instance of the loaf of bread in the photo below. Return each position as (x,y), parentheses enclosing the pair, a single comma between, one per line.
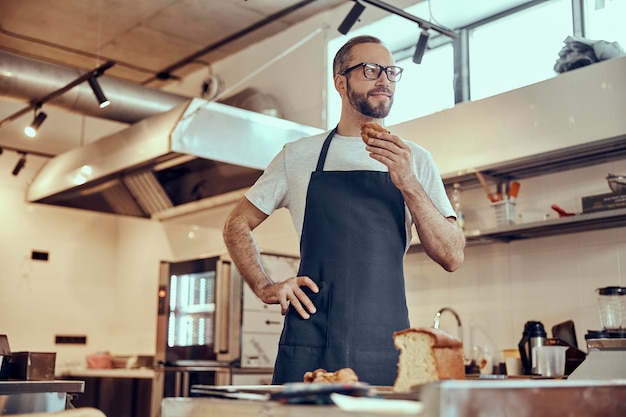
(427,354)
(369,129)
(322,376)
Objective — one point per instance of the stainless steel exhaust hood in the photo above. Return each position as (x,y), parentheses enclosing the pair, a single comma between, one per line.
(170,164)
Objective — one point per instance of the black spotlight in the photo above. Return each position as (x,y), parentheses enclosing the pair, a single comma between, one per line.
(20,164)
(97,91)
(31,131)
(422,42)
(351,18)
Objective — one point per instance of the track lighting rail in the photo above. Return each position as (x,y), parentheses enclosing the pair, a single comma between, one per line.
(36,104)
(25,151)
(21,163)
(423,24)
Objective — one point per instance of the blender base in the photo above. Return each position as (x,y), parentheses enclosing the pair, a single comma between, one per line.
(602,364)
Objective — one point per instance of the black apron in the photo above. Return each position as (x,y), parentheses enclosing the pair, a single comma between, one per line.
(352,246)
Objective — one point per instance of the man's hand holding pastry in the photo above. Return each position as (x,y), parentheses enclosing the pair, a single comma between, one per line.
(391,151)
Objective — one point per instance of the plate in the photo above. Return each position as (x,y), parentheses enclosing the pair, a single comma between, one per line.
(261,389)
(376,405)
(387,392)
(319,393)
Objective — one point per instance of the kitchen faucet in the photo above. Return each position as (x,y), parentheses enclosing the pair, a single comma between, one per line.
(456,316)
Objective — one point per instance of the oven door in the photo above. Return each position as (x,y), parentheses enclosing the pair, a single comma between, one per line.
(199,314)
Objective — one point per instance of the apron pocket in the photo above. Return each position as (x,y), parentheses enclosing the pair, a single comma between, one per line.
(312,332)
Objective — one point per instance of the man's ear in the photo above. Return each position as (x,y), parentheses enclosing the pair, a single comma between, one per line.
(340,84)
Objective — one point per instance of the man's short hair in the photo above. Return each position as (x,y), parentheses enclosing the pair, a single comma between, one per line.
(343,55)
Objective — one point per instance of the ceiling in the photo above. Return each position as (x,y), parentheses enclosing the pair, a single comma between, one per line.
(145,37)
(153,42)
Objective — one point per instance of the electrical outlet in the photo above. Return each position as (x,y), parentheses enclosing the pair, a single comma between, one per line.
(39,255)
(70,340)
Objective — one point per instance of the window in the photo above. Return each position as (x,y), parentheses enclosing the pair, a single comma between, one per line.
(519,49)
(425,88)
(602,21)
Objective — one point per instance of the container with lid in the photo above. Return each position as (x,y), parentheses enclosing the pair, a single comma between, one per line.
(612,307)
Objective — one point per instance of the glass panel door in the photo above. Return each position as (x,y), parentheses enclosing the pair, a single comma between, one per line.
(190,312)
(192,309)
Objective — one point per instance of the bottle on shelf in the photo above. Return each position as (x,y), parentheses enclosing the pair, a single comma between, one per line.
(456,204)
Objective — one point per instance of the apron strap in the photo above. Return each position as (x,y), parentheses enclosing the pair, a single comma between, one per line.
(322,158)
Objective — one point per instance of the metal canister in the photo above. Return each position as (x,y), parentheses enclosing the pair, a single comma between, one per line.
(534,335)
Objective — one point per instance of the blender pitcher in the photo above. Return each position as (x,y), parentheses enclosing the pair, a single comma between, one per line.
(612,307)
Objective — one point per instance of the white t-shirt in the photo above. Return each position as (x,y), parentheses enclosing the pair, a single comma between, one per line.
(285,181)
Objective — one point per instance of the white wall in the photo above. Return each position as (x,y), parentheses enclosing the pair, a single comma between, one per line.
(102,274)
(289,66)
(101,278)
(502,285)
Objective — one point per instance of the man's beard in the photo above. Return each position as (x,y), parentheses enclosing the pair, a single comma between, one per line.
(361,103)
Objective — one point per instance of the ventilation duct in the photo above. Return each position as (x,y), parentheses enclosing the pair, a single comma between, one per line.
(169,164)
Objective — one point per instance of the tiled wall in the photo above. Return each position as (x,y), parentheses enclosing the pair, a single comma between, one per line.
(550,279)
(502,285)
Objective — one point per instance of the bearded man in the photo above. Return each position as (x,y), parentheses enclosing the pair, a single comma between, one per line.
(353,206)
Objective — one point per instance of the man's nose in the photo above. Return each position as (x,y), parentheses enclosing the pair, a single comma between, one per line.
(382,78)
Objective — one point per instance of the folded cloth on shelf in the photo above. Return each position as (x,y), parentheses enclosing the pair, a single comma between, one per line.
(579,52)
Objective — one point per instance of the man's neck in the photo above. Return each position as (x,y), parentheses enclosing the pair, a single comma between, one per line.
(352,127)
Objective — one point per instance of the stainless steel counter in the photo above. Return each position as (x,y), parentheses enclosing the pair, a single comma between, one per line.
(24,387)
(19,397)
(469,398)
(141,373)
(525,398)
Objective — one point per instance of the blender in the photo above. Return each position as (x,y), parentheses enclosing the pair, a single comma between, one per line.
(606,357)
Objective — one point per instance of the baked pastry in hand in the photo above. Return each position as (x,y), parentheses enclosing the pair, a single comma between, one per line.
(369,129)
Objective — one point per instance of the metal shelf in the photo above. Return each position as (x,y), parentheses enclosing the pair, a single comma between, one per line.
(572,157)
(564,225)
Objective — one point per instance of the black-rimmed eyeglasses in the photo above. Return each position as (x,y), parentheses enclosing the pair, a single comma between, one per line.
(372,71)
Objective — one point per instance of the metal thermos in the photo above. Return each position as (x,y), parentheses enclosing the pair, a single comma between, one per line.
(534,335)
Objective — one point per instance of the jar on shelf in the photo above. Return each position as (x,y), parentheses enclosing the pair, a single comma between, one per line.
(456,204)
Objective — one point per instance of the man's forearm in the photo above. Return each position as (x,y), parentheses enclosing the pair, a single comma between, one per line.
(441,238)
(244,252)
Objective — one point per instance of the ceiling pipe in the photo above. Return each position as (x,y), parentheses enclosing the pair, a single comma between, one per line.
(28,79)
